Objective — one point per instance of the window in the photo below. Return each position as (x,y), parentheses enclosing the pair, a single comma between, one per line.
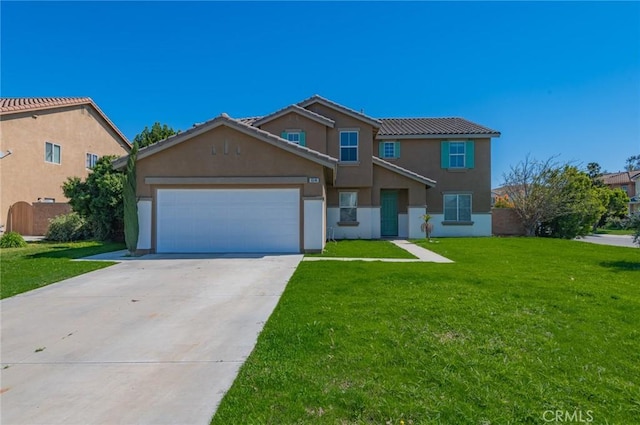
(456,154)
(457,207)
(348,206)
(624,188)
(91,160)
(295,136)
(389,150)
(52,153)
(349,146)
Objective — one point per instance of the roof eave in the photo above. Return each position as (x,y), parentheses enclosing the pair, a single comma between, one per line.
(406,173)
(336,106)
(295,109)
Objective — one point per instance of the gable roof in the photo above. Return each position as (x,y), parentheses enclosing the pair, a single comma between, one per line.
(404,172)
(295,109)
(225,120)
(621,177)
(14,105)
(432,127)
(336,106)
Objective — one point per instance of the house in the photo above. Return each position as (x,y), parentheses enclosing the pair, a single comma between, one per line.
(43,141)
(627,181)
(286,181)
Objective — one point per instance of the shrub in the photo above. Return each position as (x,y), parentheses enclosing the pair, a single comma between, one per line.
(634,223)
(503,202)
(617,223)
(12,240)
(68,227)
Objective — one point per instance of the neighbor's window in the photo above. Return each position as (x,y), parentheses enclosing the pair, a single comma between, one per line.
(457,207)
(348,206)
(52,153)
(456,154)
(91,160)
(349,146)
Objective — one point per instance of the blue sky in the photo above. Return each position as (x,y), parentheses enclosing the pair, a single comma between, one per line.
(554,78)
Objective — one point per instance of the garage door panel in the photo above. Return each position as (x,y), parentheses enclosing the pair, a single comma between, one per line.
(227,220)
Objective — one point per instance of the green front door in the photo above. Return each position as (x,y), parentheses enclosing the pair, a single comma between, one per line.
(389,213)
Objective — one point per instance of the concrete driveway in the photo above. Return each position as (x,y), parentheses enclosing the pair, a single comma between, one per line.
(156,341)
(614,240)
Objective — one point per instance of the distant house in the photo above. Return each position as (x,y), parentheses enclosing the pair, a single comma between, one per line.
(43,142)
(286,181)
(628,182)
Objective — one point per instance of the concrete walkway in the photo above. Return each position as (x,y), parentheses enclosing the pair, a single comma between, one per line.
(613,240)
(152,340)
(424,255)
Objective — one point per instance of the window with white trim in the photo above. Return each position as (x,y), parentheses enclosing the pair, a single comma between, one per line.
(293,137)
(457,207)
(349,146)
(91,160)
(457,154)
(52,153)
(348,207)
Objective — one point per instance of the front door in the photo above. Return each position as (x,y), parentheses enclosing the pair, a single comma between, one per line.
(389,213)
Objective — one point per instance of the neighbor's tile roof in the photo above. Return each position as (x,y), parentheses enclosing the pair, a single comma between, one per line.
(431,126)
(13,105)
(621,177)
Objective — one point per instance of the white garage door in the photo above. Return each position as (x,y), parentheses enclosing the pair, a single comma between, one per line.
(228,220)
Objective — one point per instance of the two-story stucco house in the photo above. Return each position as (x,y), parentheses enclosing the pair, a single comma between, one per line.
(286,181)
(627,181)
(43,141)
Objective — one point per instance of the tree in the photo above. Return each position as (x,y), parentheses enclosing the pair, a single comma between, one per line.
(98,199)
(553,199)
(632,163)
(594,171)
(158,132)
(634,223)
(130,202)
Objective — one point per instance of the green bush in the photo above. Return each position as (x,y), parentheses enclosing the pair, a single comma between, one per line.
(12,240)
(634,223)
(68,227)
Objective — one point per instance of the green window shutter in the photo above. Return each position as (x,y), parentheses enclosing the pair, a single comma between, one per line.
(444,154)
(381,149)
(303,138)
(284,135)
(397,149)
(470,154)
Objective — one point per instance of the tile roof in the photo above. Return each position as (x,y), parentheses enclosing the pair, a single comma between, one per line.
(295,108)
(432,126)
(403,171)
(14,105)
(324,101)
(621,177)
(248,120)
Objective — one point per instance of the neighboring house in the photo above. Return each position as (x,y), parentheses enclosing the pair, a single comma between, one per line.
(43,141)
(627,181)
(287,181)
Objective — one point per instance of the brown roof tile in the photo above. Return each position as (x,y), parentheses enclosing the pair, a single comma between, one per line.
(621,177)
(432,126)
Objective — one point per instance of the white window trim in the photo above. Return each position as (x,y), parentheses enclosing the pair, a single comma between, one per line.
(294,131)
(340,206)
(384,149)
(463,154)
(52,153)
(94,162)
(356,147)
(457,195)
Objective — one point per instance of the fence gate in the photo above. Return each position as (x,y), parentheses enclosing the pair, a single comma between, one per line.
(20,218)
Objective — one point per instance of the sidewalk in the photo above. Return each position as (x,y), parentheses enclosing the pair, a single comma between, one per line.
(424,255)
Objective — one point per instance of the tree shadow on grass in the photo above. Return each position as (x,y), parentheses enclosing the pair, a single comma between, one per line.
(63,251)
(622,266)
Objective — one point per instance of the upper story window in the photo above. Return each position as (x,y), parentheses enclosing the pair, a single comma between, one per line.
(348,207)
(295,136)
(458,154)
(52,153)
(91,160)
(624,188)
(389,150)
(349,146)
(457,207)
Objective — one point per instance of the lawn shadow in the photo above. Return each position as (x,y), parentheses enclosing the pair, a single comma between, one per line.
(622,265)
(63,251)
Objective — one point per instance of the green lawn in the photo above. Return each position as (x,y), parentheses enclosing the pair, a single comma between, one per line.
(515,327)
(42,263)
(363,249)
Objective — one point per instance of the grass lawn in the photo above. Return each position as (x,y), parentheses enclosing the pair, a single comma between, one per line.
(356,248)
(614,232)
(514,328)
(42,263)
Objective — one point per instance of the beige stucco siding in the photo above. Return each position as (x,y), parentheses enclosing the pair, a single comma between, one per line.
(316,133)
(423,157)
(349,175)
(385,179)
(25,176)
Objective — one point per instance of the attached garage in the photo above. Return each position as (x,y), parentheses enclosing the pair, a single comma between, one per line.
(228,220)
